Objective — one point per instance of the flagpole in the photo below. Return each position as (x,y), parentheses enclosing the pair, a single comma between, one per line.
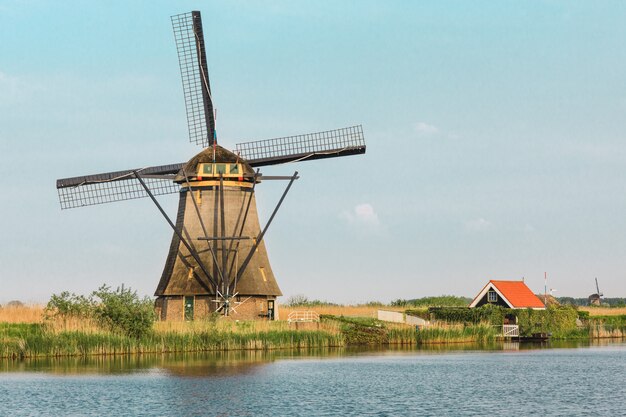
(545,288)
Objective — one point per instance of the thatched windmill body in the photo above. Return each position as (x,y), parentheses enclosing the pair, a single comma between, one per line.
(596,299)
(217,260)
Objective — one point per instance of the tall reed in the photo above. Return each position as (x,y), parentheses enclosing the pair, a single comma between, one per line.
(52,339)
(21,314)
(457,333)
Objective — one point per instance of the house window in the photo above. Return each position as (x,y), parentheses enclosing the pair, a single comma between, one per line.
(492,297)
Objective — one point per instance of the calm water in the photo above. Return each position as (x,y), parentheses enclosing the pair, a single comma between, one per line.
(463,380)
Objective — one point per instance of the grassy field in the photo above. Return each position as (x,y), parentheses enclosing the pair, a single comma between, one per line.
(604,311)
(348,311)
(35,313)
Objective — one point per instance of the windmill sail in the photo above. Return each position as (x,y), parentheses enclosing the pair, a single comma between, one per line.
(327,144)
(195,76)
(114,186)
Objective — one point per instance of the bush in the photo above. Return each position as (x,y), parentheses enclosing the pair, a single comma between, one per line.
(418,312)
(488,313)
(300,300)
(69,305)
(583,315)
(553,319)
(439,301)
(119,310)
(122,310)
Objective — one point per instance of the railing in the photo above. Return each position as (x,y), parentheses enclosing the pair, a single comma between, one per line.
(303,316)
(510,330)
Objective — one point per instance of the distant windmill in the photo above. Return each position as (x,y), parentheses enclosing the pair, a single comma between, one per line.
(596,299)
(217,260)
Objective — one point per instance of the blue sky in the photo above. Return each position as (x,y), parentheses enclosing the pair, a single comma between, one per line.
(495,135)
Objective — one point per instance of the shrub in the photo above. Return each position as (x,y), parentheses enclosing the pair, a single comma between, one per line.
(583,315)
(122,310)
(488,313)
(69,305)
(119,310)
(553,319)
(418,312)
(438,301)
(300,300)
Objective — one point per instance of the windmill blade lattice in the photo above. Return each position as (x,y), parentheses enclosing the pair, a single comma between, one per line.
(195,76)
(327,144)
(114,186)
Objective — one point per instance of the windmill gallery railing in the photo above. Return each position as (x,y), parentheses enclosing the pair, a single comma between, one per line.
(303,316)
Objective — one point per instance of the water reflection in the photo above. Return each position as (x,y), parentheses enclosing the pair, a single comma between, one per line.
(201,364)
(187,364)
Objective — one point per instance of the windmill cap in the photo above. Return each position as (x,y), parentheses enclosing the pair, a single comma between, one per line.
(222,155)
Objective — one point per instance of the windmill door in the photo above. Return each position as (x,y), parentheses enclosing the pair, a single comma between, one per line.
(189,304)
(270,309)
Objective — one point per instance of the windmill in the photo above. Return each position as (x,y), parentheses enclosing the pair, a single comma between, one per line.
(596,299)
(217,261)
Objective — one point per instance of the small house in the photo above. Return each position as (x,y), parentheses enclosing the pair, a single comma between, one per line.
(508,294)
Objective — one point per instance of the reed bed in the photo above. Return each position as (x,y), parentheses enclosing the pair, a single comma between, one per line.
(20,340)
(22,314)
(457,333)
(403,335)
(599,331)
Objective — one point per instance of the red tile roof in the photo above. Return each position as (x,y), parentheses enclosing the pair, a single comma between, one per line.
(518,294)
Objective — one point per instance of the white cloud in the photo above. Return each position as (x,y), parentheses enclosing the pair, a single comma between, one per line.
(361,214)
(16,90)
(478,225)
(426,129)
(7,83)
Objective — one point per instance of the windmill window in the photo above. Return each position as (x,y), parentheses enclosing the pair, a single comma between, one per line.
(188,307)
(207,169)
(234,169)
(220,168)
(492,297)
(262,270)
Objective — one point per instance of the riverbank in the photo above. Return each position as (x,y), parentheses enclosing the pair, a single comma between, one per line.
(74,337)
(24,340)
